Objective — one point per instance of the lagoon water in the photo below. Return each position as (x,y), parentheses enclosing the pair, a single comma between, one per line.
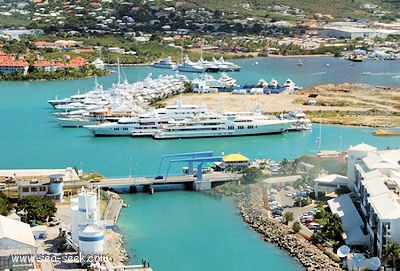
(181,230)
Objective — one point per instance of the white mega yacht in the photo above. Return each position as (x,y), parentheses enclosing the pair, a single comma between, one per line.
(148,123)
(223,125)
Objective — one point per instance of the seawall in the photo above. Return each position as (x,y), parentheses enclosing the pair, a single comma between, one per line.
(251,207)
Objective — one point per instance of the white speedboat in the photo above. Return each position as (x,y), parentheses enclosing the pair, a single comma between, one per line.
(221,125)
(165,63)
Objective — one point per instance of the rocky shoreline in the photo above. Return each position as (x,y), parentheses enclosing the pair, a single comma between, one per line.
(251,207)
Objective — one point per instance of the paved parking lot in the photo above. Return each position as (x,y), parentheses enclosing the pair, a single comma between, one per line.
(287,203)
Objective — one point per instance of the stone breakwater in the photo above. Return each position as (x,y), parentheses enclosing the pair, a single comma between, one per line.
(251,207)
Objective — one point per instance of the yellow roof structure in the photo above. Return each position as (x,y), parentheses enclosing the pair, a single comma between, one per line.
(235,157)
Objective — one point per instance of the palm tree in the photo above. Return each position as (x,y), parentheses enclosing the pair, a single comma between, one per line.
(288,217)
(392,253)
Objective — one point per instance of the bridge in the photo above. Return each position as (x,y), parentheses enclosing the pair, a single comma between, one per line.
(207,182)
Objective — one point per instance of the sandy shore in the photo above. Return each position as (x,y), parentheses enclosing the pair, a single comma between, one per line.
(344,104)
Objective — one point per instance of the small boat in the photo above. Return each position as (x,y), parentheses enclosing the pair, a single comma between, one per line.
(125,205)
(381,132)
(299,63)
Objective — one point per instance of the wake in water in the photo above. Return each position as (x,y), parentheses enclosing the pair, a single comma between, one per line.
(381,73)
(317,73)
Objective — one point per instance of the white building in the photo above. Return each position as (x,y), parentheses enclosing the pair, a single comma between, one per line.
(329,183)
(15,238)
(374,179)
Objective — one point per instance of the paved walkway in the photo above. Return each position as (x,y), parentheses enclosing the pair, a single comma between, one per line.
(113,208)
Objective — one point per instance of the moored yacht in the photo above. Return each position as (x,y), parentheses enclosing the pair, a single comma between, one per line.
(148,123)
(189,66)
(165,63)
(302,121)
(221,125)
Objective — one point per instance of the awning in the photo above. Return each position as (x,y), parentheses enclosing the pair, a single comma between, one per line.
(351,220)
(235,157)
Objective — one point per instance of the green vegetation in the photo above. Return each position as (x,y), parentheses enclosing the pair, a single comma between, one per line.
(288,217)
(61,74)
(338,9)
(332,229)
(36,208)
(296,227)
(5,205)
(392,255)
(251,175)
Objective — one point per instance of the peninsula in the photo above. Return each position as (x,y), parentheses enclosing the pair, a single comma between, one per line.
(342,104)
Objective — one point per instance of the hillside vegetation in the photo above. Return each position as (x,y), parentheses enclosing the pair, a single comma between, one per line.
(337,8)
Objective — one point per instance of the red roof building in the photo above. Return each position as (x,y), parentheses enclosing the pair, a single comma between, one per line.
(45,65)
(10,66)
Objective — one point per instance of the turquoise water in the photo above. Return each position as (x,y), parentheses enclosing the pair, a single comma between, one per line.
(157,227)
(192,231)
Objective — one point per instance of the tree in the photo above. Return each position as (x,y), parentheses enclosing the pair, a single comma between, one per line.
(392,253)
(284,165)
(288,216)
(251,174)
(296,226)
(37,208)
(5,205)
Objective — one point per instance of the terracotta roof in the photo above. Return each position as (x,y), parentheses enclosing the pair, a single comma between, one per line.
(13,63)
(44,63)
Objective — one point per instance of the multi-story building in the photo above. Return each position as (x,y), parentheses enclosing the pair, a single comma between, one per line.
(374,178)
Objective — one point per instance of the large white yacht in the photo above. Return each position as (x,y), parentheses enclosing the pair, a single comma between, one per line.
(140,126)
(148,123)
(165,63)
(223,125)
(189,66)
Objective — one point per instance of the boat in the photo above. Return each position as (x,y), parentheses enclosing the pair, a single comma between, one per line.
(98,63)
(273,83)
(189,66)
(381,132)
(230,65)
(165,63)
(227,81)
(209,66)
(302,122)
(206,83)
(148,123)
(223,125)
